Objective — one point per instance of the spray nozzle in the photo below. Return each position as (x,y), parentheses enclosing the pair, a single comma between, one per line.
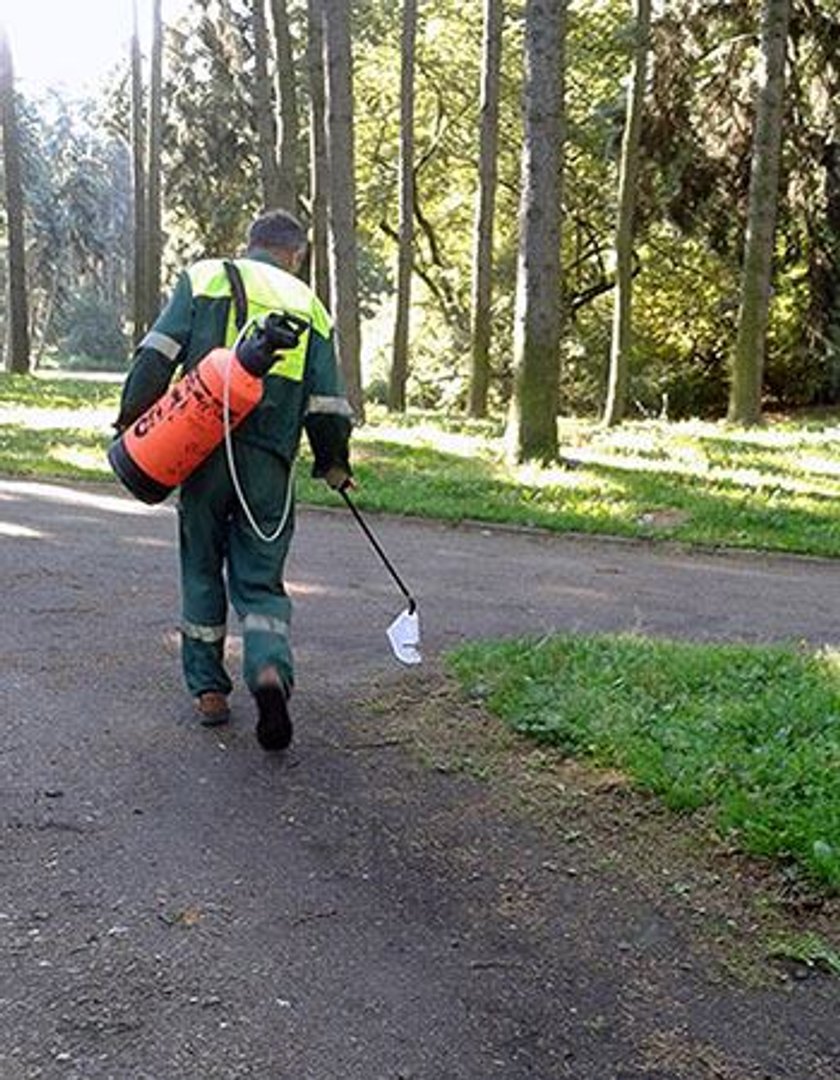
(278,332)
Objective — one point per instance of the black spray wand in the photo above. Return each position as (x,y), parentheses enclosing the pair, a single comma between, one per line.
(412,606)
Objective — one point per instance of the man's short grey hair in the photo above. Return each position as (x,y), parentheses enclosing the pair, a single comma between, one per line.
(277,229)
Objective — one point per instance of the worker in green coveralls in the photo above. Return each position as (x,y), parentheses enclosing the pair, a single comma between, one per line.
(303,391)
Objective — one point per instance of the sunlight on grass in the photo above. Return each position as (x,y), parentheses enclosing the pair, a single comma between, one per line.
(448,442)
(89,460)
(774,488)
(41,419)
(750,732)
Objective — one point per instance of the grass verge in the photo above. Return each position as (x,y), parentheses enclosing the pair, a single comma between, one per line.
(749,734)
(776,488)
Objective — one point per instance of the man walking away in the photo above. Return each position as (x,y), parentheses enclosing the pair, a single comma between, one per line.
(220,553)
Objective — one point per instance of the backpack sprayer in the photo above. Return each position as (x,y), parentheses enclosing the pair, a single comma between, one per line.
(180,430)
(172,438)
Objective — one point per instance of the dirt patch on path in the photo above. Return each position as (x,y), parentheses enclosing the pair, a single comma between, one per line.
(694,929)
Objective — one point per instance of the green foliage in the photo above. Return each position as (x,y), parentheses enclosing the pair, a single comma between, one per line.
(210,165)
(94,338)
(751,733)
(692,194)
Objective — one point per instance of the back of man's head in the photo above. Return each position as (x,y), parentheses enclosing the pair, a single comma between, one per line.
(277,230)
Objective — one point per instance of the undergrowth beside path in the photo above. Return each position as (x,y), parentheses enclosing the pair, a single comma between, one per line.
(749,734)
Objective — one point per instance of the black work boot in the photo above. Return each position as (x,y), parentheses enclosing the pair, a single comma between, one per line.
(274,726)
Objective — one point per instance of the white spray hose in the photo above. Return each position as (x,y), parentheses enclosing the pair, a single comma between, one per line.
(267,538)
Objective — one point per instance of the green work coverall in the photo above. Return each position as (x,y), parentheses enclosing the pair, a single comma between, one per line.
(303,391)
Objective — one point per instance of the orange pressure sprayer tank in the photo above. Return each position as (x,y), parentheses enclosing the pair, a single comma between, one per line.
(172,438)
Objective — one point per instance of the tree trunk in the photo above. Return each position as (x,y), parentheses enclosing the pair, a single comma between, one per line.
(482,288)
(155,244)
(830,297)
(628,176)
(46,320)
(532,422)
(748,367)
(344,268)
(264,105)
(318,164)
(18,360)
(405,253)
(287,152)
(138,153)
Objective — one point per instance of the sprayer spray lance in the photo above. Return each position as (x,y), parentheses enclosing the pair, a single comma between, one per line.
(404,631)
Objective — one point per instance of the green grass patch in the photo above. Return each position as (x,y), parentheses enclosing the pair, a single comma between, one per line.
(808,949)
(750,734)
(776,488)
(47,392)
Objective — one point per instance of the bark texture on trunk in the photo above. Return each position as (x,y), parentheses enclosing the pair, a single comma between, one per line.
(264,104)
(532,423)
(138,149)
(622,325)
(344,269)
(289,128)
(405,252)
(155,245)
(18,359)
(748,365)
(482,281)
(318,164)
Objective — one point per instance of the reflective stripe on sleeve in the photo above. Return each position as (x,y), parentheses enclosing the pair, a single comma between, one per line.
(267,624)
(162,343)
(199,632)
(331,406)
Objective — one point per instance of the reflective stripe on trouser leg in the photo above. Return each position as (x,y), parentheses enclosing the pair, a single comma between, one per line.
(265,643)
(202,521)
(255,569)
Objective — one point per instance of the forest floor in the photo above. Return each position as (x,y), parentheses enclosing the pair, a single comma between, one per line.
(411,891)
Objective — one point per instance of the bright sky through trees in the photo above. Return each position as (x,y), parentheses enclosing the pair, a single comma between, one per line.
(72,45)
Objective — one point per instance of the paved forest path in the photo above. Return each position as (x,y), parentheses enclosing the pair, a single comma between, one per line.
(176,905)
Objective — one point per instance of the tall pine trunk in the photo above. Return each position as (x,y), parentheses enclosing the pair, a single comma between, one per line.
(628,177)
(482,280)
(405,253)
(264,105)
(532,422)
(751,343)
(138,148)
(289,134)
(318,165)
(18,360)
(155,245)
(344,265)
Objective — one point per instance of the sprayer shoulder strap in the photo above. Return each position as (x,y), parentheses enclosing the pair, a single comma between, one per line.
(237,288)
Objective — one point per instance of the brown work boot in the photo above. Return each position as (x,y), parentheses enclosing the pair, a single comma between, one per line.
(274,726)
(212,707)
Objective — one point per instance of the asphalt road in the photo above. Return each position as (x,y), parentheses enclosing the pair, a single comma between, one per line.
(175,904)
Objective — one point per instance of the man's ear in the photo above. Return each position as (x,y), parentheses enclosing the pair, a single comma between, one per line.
(298,259)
